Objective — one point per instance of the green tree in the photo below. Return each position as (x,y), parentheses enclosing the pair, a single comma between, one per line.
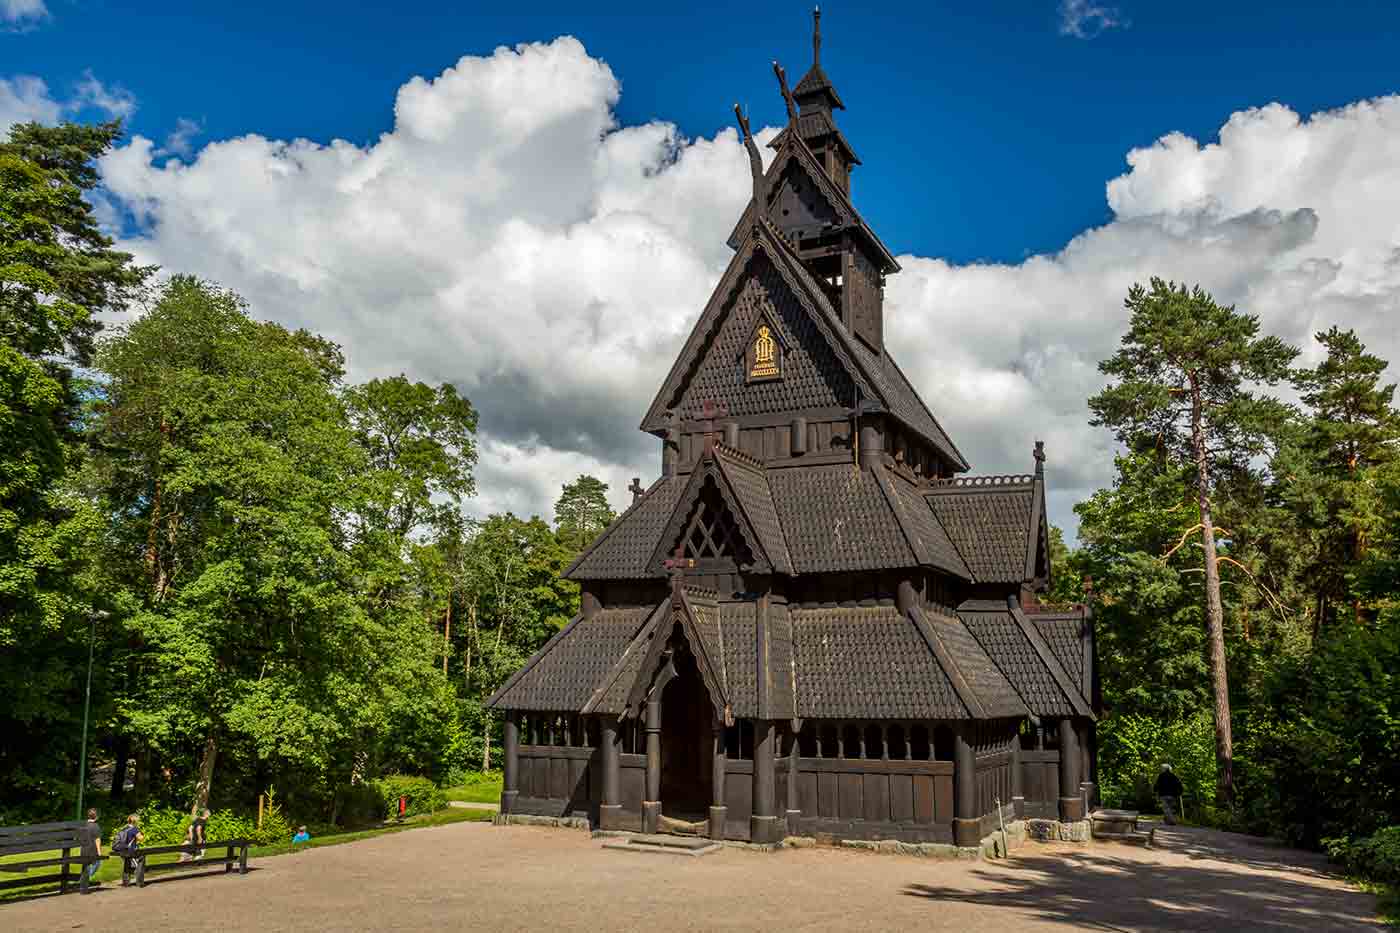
(1184,379)
(227,465)
(58,273)
(1329,472)
(582,512)
(421,444)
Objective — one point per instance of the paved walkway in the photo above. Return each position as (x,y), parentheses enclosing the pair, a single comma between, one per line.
(478,876)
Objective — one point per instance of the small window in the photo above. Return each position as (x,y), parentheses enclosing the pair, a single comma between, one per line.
(943,743)
(920,750)
(850,742)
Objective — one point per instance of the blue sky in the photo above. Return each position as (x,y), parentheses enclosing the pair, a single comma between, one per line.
(986,132)
(541,219)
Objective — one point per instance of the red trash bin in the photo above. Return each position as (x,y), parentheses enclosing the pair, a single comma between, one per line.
(403,806)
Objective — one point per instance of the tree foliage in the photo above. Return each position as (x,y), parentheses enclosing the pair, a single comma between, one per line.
(582,512)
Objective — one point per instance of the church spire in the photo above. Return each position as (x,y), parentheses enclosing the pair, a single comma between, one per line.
(815,92)
(816,35)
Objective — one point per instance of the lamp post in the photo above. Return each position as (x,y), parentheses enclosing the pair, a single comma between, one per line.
(87,705)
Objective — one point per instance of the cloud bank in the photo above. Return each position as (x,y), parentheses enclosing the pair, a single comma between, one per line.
(509,236)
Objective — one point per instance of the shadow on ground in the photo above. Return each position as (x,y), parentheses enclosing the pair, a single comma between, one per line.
(1100,891)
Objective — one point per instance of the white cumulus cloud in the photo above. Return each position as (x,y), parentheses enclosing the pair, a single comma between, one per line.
(19,15)
(509,236)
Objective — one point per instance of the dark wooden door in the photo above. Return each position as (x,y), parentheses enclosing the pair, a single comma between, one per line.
(686,737)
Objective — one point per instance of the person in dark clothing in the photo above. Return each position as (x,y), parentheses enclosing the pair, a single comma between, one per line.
(92,846)
(1169,790)
(127,841)
(200,828)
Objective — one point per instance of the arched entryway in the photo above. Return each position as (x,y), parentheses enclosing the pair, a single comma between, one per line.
(687,717)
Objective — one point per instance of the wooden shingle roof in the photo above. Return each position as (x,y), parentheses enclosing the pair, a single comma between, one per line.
(995,522)
(1025,658)
(563,674)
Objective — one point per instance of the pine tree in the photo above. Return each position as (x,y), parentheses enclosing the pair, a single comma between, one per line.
(1184,389)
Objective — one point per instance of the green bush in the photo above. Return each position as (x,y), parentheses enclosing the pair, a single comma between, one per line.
(423,795)
(360,804)
(1133,748)
(166,826)
(1375,857)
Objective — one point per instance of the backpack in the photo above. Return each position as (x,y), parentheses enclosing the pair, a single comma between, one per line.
(125,841)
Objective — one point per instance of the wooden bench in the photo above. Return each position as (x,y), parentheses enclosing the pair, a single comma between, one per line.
(66,837)
(136,861)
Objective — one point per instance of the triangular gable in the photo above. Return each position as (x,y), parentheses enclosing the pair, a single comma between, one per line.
(795,149)
(1020,648)
(748,480)
(708,523)
(760,246)
(621,550)
(684,616)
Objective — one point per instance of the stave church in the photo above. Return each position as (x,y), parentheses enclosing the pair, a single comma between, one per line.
(816,621)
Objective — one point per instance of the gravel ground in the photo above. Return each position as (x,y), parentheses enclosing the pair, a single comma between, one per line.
(478,876)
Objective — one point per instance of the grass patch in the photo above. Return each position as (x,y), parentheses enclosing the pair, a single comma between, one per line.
(1387,900)
(487,790)
(111,870)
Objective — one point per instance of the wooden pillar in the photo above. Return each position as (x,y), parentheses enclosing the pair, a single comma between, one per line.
(719,811)
(610,810)
(651,805)
(764,825)
(1018,793)
(1071,804)
(510,786)
(967,827)
(794,809)
(872,446)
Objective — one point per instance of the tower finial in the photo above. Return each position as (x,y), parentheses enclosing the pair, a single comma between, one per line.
(816,35)
(1039,458)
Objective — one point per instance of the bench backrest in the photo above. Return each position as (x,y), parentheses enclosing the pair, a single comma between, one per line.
(41,837)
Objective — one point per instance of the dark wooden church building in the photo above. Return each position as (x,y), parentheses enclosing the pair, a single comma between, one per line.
(814,622)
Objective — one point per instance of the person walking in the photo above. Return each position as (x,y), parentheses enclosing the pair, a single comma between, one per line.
(200,828)
(92,848)
(1169,790)
(127,841)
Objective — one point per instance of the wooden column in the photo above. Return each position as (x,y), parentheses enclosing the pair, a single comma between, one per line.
(610,810)
(510,786)
(651,806)
(794,809)
(1071,804)
(967,828)
(764,825)
(719,811)
(1018,793)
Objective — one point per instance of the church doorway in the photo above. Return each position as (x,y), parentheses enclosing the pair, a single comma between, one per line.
(686,741)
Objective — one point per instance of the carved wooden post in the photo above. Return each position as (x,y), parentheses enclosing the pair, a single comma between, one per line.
(610,810)
(1071,804)
(510,787)
(966,825)
(651,806)
(794,809)
(719,811)
(763,824)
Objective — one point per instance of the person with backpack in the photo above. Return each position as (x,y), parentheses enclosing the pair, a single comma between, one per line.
(92,847)
(200,829)
(127,841)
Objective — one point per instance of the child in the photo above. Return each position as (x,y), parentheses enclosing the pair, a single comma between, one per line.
(127,841)
(301,836)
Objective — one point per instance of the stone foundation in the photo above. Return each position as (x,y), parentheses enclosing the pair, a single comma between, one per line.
(558,822)
(1056,831)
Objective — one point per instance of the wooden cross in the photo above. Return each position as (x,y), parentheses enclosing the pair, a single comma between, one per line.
(677,566)
(710,410)
(636,488)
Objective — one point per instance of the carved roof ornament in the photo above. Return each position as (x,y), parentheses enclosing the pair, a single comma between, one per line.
(760,198)
(787,95)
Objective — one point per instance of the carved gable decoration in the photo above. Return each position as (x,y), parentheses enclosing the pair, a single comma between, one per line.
(808,372)
(711,533)
(763,359)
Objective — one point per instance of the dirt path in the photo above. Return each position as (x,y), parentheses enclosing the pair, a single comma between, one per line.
(477,876)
